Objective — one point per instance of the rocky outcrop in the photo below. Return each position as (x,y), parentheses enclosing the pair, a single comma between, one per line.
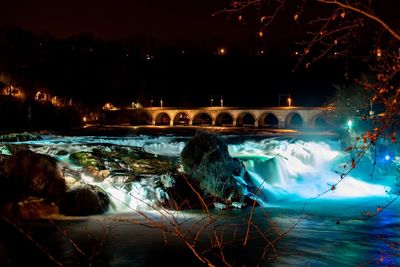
(206,160)
(33,187)
(100,161)
(34,174)
(85,200)
(30,209)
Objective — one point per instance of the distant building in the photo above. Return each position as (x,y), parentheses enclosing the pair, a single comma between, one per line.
(13,91)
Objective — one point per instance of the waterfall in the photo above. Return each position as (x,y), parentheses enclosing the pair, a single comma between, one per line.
(285,169)
(293,169)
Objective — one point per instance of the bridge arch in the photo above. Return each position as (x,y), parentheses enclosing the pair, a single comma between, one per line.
(182,118)
(319,120)
(203,118)
(163,118)
(142,118)
(225,119)
(294,120)
(246,119)
(268,120)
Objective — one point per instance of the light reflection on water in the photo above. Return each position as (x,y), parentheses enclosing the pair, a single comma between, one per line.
(331,232)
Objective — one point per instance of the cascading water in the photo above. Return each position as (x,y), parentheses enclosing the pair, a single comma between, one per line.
(284,169)
(297,169)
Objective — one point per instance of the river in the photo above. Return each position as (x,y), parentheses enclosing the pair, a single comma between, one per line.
(294,174)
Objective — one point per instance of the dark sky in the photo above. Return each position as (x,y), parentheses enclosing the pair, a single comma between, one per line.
(175,22)
(165,21)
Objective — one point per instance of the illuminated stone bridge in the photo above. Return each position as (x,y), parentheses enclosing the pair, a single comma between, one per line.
(273,117)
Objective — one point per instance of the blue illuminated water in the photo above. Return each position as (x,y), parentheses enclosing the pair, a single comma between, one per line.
(333,230)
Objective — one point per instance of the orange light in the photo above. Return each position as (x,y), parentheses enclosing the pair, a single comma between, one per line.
(378,52)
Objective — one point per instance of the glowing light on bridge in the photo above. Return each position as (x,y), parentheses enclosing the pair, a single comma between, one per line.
(221,51)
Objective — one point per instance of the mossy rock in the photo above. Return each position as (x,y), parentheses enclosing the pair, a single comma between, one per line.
(84,159)
(151,166)
(206,161)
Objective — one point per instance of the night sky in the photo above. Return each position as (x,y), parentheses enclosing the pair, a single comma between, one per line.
(164,21)
(242,77)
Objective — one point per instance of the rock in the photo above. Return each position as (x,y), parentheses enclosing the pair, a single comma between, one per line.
(181,196)
(85,200)
(36,208)
(220,206)
(238,205)
(84,159)
(4,150)
(151,166)
(206,160)
(203,145)
(62,153)
(98,175)
(167,180)
(30,209)
(116,158)
(72,182)
(34,174)
(14,148)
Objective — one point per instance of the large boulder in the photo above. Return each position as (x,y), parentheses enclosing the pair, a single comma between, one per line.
(85,200)
(30,173)
(180,195)
(207,162)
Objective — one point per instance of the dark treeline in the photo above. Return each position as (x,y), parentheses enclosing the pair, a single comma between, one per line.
(95,71)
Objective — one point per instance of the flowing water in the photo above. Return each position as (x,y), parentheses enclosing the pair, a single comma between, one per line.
(294,177)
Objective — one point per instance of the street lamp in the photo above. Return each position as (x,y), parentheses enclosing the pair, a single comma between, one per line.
(289,99)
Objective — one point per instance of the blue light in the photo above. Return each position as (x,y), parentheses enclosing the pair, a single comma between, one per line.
(349,123)
(387,157)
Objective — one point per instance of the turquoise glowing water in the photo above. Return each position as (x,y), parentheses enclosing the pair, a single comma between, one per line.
(286,169)
(291,173)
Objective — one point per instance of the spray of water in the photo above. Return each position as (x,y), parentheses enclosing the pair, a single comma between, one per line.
(285,170)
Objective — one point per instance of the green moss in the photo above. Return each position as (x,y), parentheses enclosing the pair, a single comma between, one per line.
(84,159)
